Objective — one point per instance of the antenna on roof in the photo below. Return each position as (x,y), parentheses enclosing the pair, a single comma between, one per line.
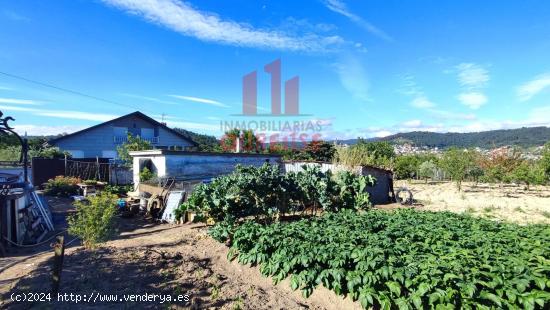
(162,119)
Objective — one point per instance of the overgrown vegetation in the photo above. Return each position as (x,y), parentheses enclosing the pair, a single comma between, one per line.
(378,154)
(94,221)
(266,194)
(132,144)
(62,186)
(404,259)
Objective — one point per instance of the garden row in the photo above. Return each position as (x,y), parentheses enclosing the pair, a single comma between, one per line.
(404,259)
(266,194)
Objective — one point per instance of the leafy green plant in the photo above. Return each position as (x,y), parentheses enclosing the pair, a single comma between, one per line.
(405,259)
(132,144)
(94,221)
(267,194)
(118,190)
(146,175)
(62,186)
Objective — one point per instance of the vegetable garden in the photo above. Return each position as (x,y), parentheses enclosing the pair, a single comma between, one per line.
(383,259)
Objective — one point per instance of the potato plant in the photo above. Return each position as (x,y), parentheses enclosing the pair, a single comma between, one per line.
(405,259)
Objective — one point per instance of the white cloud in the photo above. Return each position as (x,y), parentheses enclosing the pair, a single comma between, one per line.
(353,77)
(19,101)
(201,100)
(412,123)
(422,102)
(382,133)
(528,90)
(338,6)
(471,75)
(195,126)
(183,18)
(99,117)
(474,100)
(12,108)
(38,130)
(63,113)
(152,99)
(447,115)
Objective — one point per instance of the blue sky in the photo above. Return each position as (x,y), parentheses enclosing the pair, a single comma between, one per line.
(366,68)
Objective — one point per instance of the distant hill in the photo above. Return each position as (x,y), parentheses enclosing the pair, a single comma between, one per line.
(206,143)
(524,137)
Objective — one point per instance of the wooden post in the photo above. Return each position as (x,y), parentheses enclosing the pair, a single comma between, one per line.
(97,167)
(59,252)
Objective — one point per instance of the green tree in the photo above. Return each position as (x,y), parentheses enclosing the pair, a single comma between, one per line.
(406,166)
(457,162)
(319,151)
(545,160)
(249,141)
(427,170)
(132,144)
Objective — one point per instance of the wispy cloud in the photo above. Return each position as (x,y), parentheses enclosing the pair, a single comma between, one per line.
(11,15)
(412,123)
(98,117)
(471,75)
(353,77)
(529,89)
(20,101)
(89,116)
(340,7)
(473,78)
(201,100)
(422,102)
(474,100)
(193,125)
(151,99)
(38,130)
(410,88)
(206,26)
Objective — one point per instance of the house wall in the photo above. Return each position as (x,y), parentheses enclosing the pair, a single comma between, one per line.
(100,140)
(198,166)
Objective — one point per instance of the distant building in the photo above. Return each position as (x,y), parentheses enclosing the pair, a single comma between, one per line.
(103,139)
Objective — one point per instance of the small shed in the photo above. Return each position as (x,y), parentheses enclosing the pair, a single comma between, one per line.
(187,166)
(381,193)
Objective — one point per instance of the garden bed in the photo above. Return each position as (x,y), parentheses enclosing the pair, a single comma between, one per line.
(405,258)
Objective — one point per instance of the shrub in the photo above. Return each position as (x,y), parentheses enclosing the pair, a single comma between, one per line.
(266,194)
(119,190)
(146,175)
(94,221)
(62,186)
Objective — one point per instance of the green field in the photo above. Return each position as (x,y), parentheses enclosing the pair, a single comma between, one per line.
(405,259)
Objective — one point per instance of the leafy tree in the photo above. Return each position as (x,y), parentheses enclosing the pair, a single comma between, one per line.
(379,150)
(427,170)
(132,144)
(545,160)
(249,141)
(319,151)
(528,173)
(457,163)
(406,166)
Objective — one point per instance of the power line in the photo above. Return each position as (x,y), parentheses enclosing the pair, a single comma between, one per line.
(74,92)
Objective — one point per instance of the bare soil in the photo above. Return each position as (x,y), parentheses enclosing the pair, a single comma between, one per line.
(507,202)
(159,259)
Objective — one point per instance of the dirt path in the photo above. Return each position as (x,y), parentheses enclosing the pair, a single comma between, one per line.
(161,259)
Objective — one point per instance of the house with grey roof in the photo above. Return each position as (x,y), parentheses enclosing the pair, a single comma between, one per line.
(103,139)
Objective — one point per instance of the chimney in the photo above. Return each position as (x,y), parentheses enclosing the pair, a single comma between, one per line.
(238,145)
